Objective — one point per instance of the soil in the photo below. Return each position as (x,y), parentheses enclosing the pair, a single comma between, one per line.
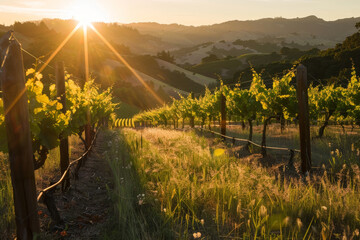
(85,207)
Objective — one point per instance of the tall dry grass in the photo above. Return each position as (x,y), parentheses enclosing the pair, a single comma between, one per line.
(193,190)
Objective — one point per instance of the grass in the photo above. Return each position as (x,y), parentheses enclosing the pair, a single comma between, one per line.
(126,110)
(191,188)
(133,218)
(43,177)
(6,198)
(345,141)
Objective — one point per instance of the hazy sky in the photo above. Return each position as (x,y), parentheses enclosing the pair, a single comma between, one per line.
(189,12)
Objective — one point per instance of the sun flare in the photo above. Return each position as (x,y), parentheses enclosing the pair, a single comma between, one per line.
(87,11)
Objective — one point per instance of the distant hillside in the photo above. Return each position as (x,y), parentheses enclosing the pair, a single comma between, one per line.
(222,49)
(328,66)
(309,30)
(151,81)
(118,34)
(230,50)
(166,80)
(197,78)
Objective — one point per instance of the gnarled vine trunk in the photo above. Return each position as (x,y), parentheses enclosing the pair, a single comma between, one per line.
(250,133)
(282,124)
(192,122)
(326,123)
(243,125)
(263,141)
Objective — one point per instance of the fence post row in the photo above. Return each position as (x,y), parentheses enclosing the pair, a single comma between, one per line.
(304,126)
(64,142)
(19,139)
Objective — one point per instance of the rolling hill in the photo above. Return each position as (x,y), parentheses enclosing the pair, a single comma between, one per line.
(308,30)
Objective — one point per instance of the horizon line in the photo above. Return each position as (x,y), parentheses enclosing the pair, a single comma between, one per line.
(192,25)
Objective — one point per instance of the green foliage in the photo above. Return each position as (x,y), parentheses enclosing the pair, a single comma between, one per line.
(48,122)
(353,97)
(261,102)
(166,56)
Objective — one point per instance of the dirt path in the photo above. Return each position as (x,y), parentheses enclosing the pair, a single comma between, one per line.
(84,208)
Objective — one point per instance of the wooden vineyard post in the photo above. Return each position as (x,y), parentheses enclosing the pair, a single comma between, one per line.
(223,114)
(19,140)
(64,142)
(304,124)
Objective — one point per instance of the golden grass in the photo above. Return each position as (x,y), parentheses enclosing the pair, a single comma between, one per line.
(197,190)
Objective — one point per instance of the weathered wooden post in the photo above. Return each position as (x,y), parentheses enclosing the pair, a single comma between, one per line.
(223,114)
(304,126)
(64,142)
(19,139)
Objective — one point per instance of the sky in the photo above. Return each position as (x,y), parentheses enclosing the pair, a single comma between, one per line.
(187,12)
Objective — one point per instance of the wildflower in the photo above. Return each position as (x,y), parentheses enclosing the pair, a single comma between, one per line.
(329,144)
(141,202)
(40,212)
(164,210)
(356,232)
(262,211)
(63,233)
(324,208)
(332,153)
(197,235)
(299,223)
(286,221)
(202,222)
(337,152)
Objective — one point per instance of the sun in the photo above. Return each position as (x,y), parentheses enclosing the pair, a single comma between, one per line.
(87,11)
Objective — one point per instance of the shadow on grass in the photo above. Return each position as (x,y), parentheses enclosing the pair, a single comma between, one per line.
(136,214)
